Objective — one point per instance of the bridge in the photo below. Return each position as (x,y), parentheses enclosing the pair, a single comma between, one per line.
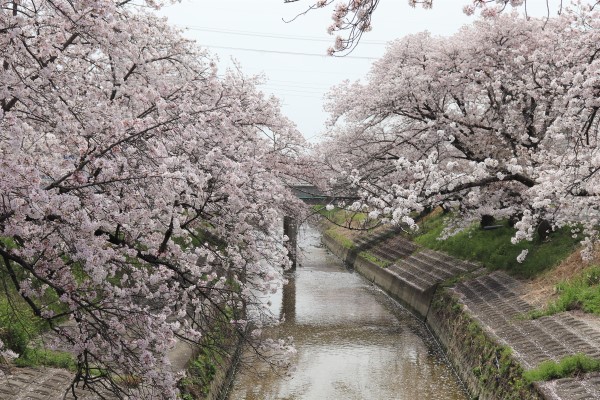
(310,194)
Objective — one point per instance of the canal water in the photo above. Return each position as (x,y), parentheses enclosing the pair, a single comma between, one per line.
(352,341)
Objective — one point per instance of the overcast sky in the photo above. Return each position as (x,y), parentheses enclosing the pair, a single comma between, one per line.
(292,55)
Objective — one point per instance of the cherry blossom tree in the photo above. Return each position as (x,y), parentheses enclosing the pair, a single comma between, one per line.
(352,18)
(141,193)
(500,119)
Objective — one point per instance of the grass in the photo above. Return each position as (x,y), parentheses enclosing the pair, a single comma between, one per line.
(18,324)
(579,293)
(335,215)
(35,357)
(203,369)
(342,217)
(498,374)
(374,259)
(494,249)
(341,238)
(567,367)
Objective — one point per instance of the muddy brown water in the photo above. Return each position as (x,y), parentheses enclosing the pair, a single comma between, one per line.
(352,341)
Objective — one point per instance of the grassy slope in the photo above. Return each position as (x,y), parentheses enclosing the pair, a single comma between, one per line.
(494,249)
(341,218)
(580,292)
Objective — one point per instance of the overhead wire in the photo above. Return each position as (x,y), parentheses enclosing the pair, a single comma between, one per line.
(295,87)
(296,83)
(286,88)
(270,35)
(288,91)
(285,52)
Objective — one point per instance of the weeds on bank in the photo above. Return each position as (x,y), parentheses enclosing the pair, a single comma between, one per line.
(347,219)
(341,239)
(374,259)
(18,324)
(35,357)
(579,293)
(567,367)
(493,365)
(200,373)
(494,249)
(212,357)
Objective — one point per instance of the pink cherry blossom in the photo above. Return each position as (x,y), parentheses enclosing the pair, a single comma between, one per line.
(500,119)
(138,188)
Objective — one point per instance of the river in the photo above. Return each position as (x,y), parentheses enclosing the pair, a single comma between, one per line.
(352,340)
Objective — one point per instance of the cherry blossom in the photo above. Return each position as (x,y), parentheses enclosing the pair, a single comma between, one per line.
(141,193)
(500,119)
(352,18)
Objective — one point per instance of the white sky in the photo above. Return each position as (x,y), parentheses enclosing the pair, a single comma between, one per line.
(253,33)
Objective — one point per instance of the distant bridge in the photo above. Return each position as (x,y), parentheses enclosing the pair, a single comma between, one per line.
(311,195)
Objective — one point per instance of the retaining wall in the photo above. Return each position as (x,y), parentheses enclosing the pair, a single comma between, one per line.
(223,379)
(417,300)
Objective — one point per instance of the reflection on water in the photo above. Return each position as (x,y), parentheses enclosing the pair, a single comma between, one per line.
(353,341)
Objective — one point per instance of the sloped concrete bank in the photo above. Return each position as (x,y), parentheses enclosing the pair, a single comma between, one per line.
(403,291)
(486,366)
(221,384)
(210,374)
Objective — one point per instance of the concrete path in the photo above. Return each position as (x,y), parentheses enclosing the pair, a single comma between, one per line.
(39,384)
(52,383)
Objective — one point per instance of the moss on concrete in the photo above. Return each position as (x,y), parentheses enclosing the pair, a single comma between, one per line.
(487,368)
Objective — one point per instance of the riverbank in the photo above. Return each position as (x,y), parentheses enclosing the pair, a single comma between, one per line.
(480,317)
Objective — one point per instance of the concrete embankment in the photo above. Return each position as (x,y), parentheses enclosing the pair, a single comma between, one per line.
(479,320)
(225,374)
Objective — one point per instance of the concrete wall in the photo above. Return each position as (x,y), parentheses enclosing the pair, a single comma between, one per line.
(402,291)
(223,379)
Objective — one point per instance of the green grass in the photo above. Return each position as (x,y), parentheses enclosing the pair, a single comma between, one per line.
(341,239)
(206,364)
(374,259)
(494,249)
(18,324)
(341,216)
(567,367)
(579,293)
(35,357)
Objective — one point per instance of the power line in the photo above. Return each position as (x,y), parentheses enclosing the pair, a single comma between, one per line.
(299,90)
(285,52)
(308,85)
(307,96)
(293,70)
(271,35)
(296,87)
(293,91)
